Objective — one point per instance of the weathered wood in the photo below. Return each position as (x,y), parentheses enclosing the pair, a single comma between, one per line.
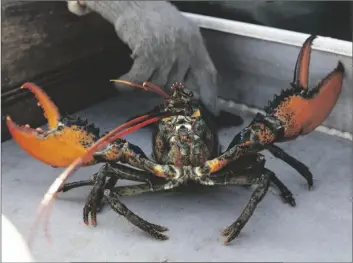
(72,58)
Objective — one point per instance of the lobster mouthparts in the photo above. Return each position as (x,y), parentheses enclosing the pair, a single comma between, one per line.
(62,144)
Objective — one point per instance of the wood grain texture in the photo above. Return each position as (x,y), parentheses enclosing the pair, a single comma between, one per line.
(72,58)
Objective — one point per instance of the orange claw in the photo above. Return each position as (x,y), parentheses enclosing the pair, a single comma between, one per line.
(58,147)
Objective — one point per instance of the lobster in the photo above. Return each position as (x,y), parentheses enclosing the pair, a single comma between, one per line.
(185,146)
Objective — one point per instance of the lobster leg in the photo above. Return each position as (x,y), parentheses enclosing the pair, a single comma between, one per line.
(152,229)
(122,172)
(301,168)
(286,194)
(128,173)
(256,174)
(134,156)
(114,172)
(89,182)
(131,190)
(234,229)
(98,193)
(231,176)
(68,186)
(111,182)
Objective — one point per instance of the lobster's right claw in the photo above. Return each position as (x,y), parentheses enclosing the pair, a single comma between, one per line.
(302,110)
(59,146)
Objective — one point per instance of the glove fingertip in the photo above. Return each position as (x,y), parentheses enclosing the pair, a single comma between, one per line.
(77,9)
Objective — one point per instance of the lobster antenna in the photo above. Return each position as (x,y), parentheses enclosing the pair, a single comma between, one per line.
(155,88)
(146,86)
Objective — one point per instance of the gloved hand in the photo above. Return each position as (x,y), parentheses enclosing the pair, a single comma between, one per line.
(166,46)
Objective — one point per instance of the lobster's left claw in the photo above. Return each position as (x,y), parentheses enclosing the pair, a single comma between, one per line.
(62,144)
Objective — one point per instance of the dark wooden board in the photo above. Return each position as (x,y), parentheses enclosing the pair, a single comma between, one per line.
(72,58)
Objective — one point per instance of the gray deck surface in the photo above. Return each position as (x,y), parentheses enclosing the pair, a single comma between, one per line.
(318,229)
